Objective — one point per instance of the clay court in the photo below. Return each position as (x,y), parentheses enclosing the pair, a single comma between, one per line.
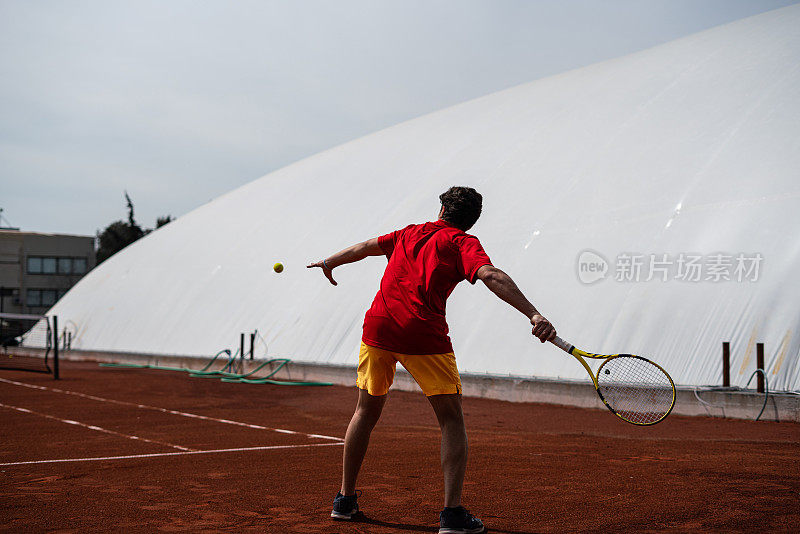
(141,450)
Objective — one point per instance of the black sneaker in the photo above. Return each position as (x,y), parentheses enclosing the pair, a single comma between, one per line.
(345,507)
(459,521)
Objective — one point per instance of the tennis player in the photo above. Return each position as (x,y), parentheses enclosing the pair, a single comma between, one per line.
(406,324)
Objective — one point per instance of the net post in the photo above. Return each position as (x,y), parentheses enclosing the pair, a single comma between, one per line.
(726,364)
(252,344)
(760,365)
(241,346)
(55,347)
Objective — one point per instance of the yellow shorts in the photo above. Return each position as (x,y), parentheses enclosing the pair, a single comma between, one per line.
(436,374)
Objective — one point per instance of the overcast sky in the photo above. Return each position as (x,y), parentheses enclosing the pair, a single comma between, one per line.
(178,102)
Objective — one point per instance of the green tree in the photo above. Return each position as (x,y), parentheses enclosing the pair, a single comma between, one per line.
(161,221)
(120,234)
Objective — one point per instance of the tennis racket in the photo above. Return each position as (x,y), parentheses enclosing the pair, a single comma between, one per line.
(635,389)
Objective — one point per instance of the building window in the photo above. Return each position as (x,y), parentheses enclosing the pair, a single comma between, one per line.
(8,291)
(42,297)
(34,265)
(48,265)
(12,293)
(34,297)
(48,297)
(79,265)
(64,265)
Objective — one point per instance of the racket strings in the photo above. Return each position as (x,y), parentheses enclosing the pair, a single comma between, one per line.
(636,389)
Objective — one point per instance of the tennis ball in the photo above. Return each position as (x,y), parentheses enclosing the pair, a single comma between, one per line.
(278,267)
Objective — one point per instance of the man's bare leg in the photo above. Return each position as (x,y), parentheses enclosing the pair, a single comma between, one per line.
(454,445)
(356,440)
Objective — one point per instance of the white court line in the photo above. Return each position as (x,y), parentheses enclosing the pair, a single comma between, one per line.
(159,454)
(96,428)
(164,410)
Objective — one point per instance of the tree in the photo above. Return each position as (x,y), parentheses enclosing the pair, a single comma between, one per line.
(114,238)
(162,221)
(120,234)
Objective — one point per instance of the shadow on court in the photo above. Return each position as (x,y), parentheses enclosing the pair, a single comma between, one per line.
(362,518)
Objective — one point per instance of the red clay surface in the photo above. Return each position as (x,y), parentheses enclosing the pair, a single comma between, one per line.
(532,468)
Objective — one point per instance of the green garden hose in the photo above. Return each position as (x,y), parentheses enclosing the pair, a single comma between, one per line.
(243,379)
(225,374)
(166,368)
(228,374)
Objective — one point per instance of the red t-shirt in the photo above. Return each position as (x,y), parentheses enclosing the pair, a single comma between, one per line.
(426,262)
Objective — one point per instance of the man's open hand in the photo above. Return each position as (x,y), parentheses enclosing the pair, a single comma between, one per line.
(327,272)
(542,328)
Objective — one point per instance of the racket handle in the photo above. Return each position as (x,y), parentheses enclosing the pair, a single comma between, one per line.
(561,344)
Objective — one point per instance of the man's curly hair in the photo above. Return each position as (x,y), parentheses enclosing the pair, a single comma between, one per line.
(462,206)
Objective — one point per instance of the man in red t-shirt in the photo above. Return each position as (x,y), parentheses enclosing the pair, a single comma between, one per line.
(406,324)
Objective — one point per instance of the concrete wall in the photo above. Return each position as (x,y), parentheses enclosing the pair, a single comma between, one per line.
(717,403)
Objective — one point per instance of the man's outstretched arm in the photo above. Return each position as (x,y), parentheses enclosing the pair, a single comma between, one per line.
(351,254)
(504,287)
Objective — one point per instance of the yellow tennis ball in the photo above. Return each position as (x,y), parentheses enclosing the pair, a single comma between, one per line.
(278,267)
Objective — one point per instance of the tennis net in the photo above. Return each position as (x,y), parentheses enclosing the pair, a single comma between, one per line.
(27,343)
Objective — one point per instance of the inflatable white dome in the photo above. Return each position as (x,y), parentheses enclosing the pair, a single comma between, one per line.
(647,204)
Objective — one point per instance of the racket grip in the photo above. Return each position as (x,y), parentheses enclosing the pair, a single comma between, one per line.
(561,344)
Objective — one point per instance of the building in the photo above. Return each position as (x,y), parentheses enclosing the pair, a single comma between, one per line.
(37,269)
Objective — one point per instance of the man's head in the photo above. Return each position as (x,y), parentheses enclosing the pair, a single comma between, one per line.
(461,206)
